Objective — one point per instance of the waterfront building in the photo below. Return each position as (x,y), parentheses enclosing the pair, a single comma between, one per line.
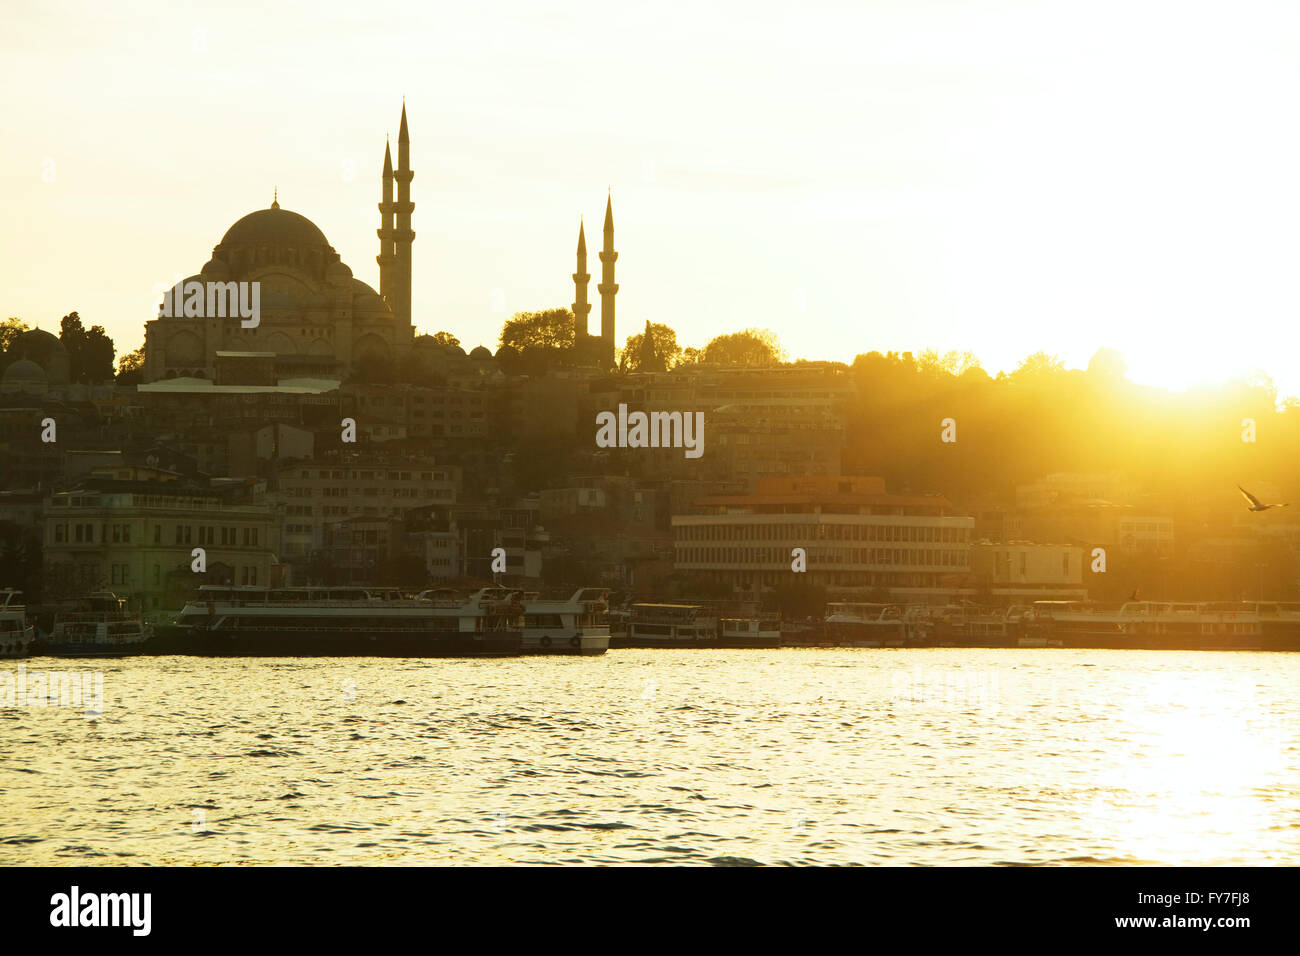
(858,539)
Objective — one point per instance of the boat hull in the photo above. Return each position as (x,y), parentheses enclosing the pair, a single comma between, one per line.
(565,642)
(273,642)
(15,644)
(65,649)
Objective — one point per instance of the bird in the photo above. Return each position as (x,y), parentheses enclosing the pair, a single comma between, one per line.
(1256,504)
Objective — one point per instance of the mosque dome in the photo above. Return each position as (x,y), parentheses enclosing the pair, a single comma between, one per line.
(24,375)
(338,273)
(275,226)
(216,270)
(46,352)
(38,344)
(480,354)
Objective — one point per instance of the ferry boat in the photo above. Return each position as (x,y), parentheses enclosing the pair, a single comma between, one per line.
(973,625)
(862,624)
(576,623)
(763,630)
(16,635)
(1279,624)
(668,625)
(1150,625)
(349,621)
(98,625)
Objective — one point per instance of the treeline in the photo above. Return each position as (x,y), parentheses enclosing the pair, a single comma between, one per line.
(1043,418)
(551,333)
(90,351)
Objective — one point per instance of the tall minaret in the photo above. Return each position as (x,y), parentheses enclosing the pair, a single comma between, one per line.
(386,258)
(581,307)
(403,238)
(608,288)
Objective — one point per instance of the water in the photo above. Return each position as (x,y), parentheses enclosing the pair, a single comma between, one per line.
(938,756)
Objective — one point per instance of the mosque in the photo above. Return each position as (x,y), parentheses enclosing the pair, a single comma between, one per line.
(318,321)
(42,367)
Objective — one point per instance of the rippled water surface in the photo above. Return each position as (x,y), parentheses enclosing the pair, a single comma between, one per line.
(941,756)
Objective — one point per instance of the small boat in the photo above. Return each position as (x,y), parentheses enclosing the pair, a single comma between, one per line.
(760,631)
(857,624)
(668,625)
(98,625)
(16,635)
(576,623)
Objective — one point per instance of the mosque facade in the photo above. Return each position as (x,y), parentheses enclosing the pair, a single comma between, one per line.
(318,321)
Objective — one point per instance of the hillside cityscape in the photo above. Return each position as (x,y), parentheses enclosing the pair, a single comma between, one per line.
(328,443)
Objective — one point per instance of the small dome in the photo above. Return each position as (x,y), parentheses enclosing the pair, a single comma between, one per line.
(24,370)
(366,299)
(216,270)
(481,354)
(338,273)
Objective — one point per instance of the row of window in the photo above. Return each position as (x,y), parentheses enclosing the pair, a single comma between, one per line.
(398,401)
(84,533)
(372,475)
(848,579)
(901,557)
(821,532)
(343,491)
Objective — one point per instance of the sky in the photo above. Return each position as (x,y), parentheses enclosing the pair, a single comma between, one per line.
(999,177)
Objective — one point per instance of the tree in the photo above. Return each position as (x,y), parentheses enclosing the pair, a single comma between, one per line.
(666,349)
(1108,365)
(10,329)
(1038,365)
(130,367)
(73,336)
(549,329)
(90,353)
(445,338)
(751,348)
(97,356)
(949,363)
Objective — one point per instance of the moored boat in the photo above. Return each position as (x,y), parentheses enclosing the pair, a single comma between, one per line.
(353,621)
(97,625)
(576,623)
(16,635)
(1150,625)
(668,625)
(1279,624)
(762,630)
(862,624)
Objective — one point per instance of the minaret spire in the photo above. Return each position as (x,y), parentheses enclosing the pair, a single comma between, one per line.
(581,307)
(404,236)
(387,258)
(608,288)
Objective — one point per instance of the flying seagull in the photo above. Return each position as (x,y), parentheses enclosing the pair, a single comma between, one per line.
(1256,504)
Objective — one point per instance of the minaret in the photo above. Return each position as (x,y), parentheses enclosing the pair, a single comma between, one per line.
(386,258)
(581,307)
(608,288)
(403,237)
